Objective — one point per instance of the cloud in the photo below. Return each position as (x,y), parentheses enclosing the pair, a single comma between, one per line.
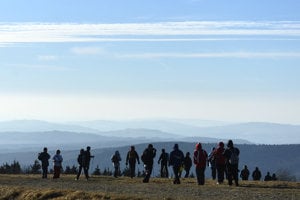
(42,67)
(214,55)
(189,30)
(87,50)
(47,58)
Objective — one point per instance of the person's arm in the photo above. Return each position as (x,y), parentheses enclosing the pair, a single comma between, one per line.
(137,157)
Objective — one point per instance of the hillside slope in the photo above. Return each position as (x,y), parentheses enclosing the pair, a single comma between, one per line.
(28,187)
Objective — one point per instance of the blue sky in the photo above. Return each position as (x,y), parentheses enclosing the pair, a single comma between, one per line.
(226,60)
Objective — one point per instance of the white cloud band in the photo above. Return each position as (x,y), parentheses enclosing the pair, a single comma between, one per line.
(192,30)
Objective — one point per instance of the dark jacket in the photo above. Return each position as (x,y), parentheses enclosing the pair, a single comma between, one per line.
(187,162)
(148,156)
(228,154)
(176,158)
(164,158)
(44,158)
(132,157)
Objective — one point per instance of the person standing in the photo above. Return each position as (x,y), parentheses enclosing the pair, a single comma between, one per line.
(176,160)
(82,164)
(88,157)
(200,158)
(245,173)
(268,177)
(220,162)
(256,174)
(116,158)
(163,161)
(147,158)
(212,164)
(187,163)
(44,158)
(57,160)
(131,158)
(232,163)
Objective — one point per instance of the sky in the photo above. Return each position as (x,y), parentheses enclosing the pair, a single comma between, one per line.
(227,60)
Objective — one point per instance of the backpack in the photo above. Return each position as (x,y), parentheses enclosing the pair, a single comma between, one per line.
(147,156)
(200,157)
(234,157)
(144,156)
(40,157)
(131,155)
(165,157)
(114,159)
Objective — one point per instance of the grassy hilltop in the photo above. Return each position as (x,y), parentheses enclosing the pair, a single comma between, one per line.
(29,187)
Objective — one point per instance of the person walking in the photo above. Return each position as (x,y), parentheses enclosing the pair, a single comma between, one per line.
(163,161)
(44,158)
(82,165)
(220,162)
(187,163)
(176,160)
(57,160)
(212,164)
(147,157)
(200,159)
(131,158)
(116,158)
(232,163)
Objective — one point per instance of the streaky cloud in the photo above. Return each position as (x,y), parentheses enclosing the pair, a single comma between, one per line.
(214,55)
(159,31)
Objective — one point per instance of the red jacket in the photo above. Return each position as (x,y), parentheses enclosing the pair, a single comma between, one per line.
(219,154)
(200,156)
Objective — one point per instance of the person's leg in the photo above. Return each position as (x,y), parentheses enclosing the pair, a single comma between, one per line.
(148,173)
(236,175)
(198,175)
(167,171)
(56,172)
(213,173)
(229,174)
(45,171)
(79,172)
(162,174)
(202,176)
(176,175)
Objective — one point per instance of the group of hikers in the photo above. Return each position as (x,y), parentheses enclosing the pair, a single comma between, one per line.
(222,160)
(83,160)
(256,175)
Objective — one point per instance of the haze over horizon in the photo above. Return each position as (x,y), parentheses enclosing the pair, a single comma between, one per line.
(232,61)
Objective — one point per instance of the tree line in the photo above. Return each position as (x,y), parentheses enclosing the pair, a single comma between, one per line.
(35,168)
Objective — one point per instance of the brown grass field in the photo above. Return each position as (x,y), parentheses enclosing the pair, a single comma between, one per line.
(25,187)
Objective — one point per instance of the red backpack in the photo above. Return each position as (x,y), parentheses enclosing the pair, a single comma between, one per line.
(200,157)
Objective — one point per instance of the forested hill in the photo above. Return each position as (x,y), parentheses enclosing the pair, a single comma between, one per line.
(267,157)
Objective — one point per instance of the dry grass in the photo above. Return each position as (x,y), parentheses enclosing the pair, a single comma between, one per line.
(32,187)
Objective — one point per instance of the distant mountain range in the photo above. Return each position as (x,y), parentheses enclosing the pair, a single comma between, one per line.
(158,130)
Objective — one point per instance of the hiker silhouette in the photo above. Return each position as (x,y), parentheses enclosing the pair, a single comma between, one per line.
(44,158)
(116,158)
(176,160)
(200,158)
(82,161)
(57,160)
(131,158)
(147,158)
(232,163)
(164,161)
